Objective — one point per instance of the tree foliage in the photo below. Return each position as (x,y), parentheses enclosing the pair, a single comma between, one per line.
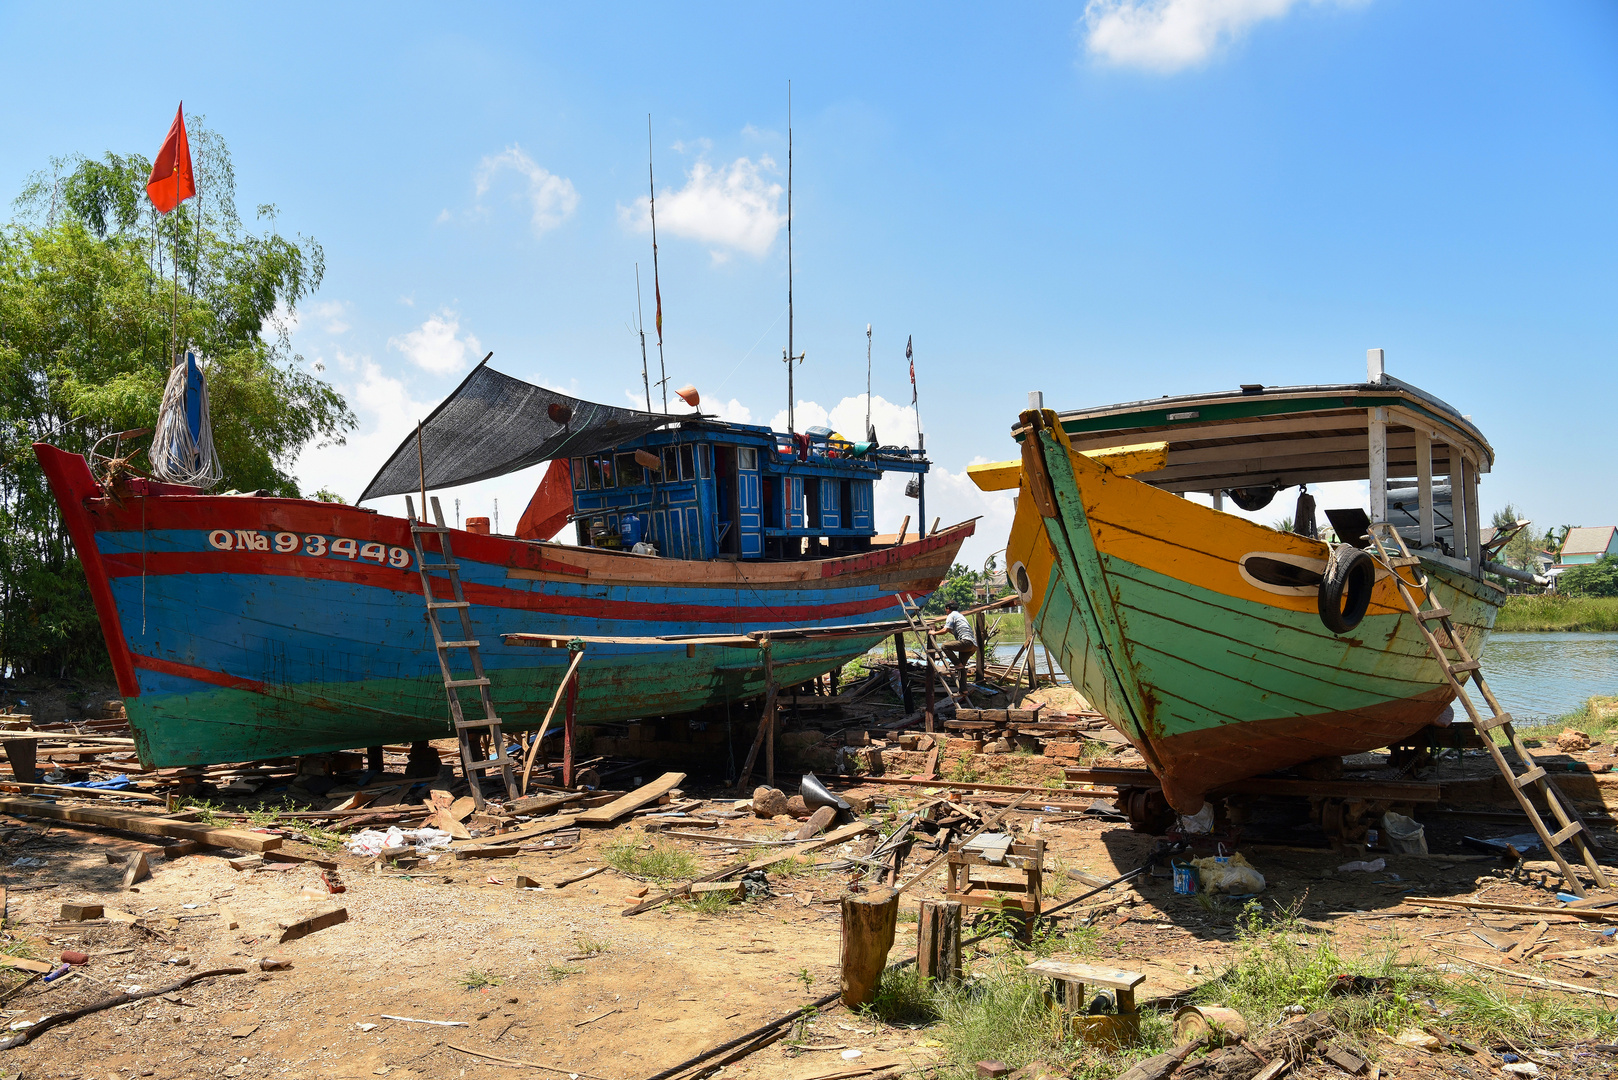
(962,586)
(96,291)
(1599,578)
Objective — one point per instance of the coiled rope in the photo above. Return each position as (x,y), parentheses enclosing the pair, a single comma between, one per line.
(176,457)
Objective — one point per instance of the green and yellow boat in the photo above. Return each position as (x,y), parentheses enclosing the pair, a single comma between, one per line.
(1222,648)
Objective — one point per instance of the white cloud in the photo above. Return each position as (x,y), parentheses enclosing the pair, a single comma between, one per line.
(437,344)
(733,207)
(333,314)
(551,199)
(1168,35)
(951,495)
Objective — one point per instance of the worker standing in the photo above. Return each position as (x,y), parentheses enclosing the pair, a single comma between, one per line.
(965,644)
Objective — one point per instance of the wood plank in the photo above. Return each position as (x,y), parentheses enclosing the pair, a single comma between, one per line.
(518,835)
(837,836)
(305,927)
(22,963)
(144,824)
(649,793)
(1520,909)
(1087,973)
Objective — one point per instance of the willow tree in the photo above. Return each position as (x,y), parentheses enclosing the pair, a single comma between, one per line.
(97,293)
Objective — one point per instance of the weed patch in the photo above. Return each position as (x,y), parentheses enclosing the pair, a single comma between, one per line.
(655,861)
(474,979)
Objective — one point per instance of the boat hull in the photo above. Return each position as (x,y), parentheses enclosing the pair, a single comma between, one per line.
(242,627)
(1213,675)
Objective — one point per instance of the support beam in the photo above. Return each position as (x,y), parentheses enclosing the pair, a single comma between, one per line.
(1375,365)
(1377,448)
(1457,508)
(1474,522)
(1424,488)
(1218,499)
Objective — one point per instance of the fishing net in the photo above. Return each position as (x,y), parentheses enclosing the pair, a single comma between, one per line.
(493,424)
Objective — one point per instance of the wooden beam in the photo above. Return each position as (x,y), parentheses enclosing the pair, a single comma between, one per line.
(1424,489)
(1474,520)
(650,793)
(1377,454)
(144,824)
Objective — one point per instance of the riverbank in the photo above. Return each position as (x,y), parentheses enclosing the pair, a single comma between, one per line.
(1551,612)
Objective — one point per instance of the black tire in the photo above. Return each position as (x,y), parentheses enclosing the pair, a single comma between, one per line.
(1345,588)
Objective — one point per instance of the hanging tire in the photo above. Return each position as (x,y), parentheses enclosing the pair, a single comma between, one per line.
(1345,588)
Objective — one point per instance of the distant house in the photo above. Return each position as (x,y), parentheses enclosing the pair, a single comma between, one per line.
(1584,546)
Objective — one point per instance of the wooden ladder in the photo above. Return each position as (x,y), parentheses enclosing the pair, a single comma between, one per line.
(473,762)
(934,655)
(1394,555)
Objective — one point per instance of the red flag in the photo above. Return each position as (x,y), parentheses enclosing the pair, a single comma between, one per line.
(172,182)
(551,505)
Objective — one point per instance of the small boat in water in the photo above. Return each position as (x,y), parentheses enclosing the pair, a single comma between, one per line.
(1222,648)
(243,627)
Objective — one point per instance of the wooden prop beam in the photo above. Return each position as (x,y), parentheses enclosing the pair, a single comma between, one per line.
(145,824)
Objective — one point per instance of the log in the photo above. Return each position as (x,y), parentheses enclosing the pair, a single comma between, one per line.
(144,824)
(938,942)
(868,925)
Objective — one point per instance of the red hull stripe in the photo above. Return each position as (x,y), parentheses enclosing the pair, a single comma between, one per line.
(187,671)
(165,564)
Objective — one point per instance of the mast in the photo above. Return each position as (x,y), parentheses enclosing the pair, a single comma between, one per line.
(789,357)
(867,380)
(657,288)
(640,317)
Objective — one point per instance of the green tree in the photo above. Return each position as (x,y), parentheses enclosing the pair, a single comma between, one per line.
(1599,578)
(96,290)
(1522,550)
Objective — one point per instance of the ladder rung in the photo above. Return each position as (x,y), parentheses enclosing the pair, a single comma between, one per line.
(485,722)
(428,529)
(427,567)
(436,604)
(450,683)
(1404,560)
(1435,613)
(1558,838)
(1536,773)
(1467,665)
(1489,723)
(457,644)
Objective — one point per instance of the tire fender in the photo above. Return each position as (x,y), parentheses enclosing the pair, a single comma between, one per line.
(1345,588)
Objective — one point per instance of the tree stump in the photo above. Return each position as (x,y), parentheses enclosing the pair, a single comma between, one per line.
(938,942)
(868,925)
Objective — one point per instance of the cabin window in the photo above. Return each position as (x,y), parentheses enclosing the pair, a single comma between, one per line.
(593,465)
(746,457)
(629,470)
(580,479)
(688,465)
(671,463)
(705,460)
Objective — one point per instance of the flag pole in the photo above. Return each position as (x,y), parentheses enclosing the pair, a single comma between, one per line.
(868,381)
(657,288)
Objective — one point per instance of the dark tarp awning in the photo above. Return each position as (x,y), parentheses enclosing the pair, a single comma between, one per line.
(493,424)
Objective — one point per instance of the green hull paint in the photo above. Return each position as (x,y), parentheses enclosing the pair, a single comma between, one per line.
(222,724)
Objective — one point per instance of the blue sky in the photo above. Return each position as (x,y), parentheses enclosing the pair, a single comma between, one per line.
(1104,202)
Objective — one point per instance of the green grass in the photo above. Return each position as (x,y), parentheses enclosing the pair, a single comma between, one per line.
(1597,717)
(476,979)
(1548,611)
(708,904)
(589,946)
(654,861)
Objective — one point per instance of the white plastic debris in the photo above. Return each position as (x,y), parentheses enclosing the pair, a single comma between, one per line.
(850,1055)
(1370,867)
(1418,1038)
(1521,1068)
(1200,823)
(371,842)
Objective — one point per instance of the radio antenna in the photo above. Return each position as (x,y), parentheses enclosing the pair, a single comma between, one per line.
(640,317)
(657,288)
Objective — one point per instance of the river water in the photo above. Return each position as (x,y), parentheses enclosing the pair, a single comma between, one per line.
(1536,676)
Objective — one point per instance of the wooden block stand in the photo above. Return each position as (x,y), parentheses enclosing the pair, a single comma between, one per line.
(971,879)
(1106,1030)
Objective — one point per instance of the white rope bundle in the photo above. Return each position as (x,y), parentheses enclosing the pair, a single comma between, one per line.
(176,457)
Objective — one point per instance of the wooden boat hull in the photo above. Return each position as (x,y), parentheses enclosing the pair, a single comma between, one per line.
(1214,676)
(243,627)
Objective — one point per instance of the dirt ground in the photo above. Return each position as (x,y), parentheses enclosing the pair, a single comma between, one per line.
(559,979)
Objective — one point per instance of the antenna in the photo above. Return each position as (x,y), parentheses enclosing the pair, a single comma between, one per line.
(789,356)
(657,288)
(497,517)
(640,317)
(867,380)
